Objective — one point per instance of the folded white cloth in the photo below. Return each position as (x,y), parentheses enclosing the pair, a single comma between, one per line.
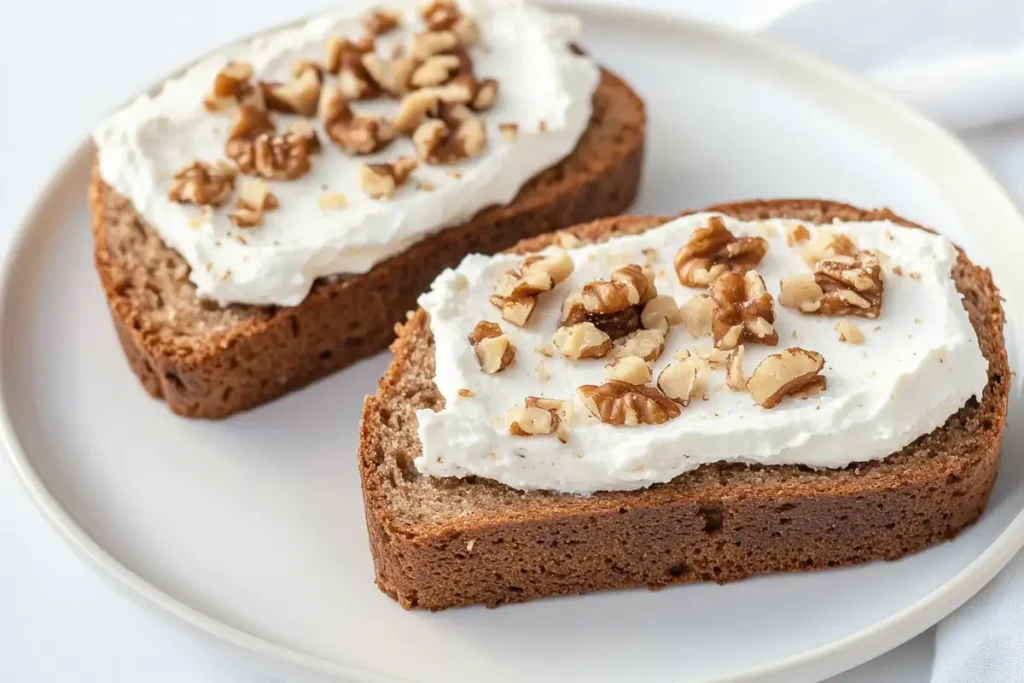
(961,62)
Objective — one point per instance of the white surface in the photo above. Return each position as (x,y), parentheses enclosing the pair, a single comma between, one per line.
(58,621)
(922,350)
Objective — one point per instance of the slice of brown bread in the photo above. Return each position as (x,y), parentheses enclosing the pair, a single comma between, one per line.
(207,361)
(443,542)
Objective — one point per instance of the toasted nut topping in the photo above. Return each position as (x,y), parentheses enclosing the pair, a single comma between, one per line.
(583,340)
(380,21)
(440,15)
(797,235)
(230,78)
(435,70)
(304,129)
(794,372)
(620,403)
(332,201)
(381,181)
(629,369)
(509,131)
(244,217)
(660,313)
(440,142)
(254,198)
(202,183)
(413,109)
(354,134)
(714,357)
(467,31)
(539,416)
(848,332)
(391,77)
(800,292)
(629,286)
(516,310)
(647,344)
(744,310)
(467,393)
(536,274)
(298,96)
(485,95)
(343,54)
(826,245)
(433,43)
(852,285)
(684,380)
(713,250)
(697,313)
(493,349)
(734,370)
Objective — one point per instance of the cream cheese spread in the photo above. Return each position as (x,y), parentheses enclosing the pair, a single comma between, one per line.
(918,364)
(545,89)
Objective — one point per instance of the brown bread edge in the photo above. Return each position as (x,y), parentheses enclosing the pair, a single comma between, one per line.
(719,523)
(350,318)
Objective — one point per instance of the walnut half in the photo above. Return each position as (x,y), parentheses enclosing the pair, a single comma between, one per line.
(624,404)
(494,350)
(713,250)
(744,310)
(793,372)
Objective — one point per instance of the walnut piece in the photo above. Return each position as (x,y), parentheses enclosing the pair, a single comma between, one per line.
(827,244)
(647,344)
(509,131)
(440,15)
(254,197)
(624,404)
(615,325)
(344,57)
(439,141)
(629,369)
(713,250)
(435,70)
(379,21)
(800,292)
(332,201)
(582,340)
(793,372)
(744,310)
(304,129)
(381,181)
(660,313)
(850,333)
(797,235)
(228,80)
(298,96)
(353,134)
(536,274)
(516,310)
(392,77)
(539,416)
(494,350)
(852,285)
(432,43)
(628,286)
(697,313)
(734,378)
(684,380)
(202,183)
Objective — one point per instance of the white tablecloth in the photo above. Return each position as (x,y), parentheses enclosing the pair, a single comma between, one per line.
(62,67)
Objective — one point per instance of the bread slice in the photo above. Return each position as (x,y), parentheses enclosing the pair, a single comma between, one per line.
(443,542)
(207,361)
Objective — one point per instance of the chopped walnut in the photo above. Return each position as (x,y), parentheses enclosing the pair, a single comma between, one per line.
(229,79)
(432,43)
(850,333)
(344,57)
(660,313)
(413,109)
(713,250)
(509,131)
(485,94)
(852,285)
(684,380)
(280,157)
(251,123)
(440,142)
(714,357)
(624,404)
(392,77)
(615,325)
(494,350)
(697,313)
(537,273)
(734,378)
(381,181)
(582,340)
(332,201)
(539,416)
(379,21)
(467,393)
(516,310)
(647,344)
(466,30)
(628,286)
(800,292)
(744,310)
(354,134)
(202,183)
(797,235)
(827,244)
(304,129)
(629,369)
(298,96)
(254,197)
(440,15)
(793,372)
(435,70)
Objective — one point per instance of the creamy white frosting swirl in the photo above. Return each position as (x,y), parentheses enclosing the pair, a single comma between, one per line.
(919,363)
(543,84)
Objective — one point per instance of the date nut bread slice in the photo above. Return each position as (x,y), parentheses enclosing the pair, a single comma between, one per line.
(207,361)
(445,542)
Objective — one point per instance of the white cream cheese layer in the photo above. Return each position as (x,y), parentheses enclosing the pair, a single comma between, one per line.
(544,88)
(919,363)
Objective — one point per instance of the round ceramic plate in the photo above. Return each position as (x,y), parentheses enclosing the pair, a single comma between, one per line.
(251,531)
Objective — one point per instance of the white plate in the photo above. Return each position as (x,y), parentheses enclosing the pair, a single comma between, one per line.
(251,530)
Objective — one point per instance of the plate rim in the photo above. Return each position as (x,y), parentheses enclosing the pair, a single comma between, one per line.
(826,660)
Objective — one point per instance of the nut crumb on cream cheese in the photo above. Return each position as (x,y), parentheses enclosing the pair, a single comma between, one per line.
(913,369)
(523,48)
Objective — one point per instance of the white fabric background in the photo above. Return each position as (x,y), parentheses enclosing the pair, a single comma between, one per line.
(63,65)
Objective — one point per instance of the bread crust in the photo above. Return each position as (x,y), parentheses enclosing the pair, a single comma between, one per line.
(213,364)
(442,543)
